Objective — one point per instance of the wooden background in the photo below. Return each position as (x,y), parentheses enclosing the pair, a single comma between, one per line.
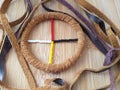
(90,57)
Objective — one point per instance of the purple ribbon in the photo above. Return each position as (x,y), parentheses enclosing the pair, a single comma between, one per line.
(29,5)
(108,61)
(109,56)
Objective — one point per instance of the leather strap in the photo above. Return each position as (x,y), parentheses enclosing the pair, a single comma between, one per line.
(47,87)
(1,36)
(16,47)
(5,6)
(112,38)
(4,9)
(87,6)
(102,35)
(114,43)
(30,16)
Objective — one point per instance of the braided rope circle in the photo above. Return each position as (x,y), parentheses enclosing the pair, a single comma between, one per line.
(54,68)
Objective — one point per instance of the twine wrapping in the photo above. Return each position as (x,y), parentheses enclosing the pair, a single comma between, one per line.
(53,67)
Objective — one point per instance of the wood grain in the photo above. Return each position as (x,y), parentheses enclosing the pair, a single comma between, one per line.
(90,57)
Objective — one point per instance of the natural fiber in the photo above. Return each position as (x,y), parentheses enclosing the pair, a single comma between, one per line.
(53,67)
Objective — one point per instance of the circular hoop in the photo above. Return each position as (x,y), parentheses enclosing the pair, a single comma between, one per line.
(54,68)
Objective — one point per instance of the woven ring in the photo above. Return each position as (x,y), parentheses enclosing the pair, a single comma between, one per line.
(54,68)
